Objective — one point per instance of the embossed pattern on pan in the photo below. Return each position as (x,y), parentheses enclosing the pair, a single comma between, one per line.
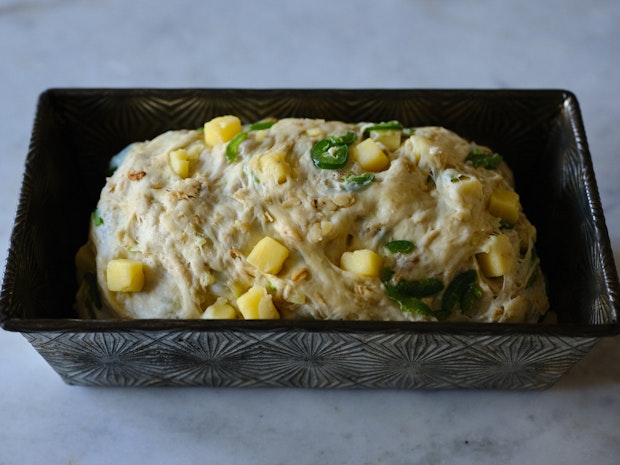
(401,360)
(540,134)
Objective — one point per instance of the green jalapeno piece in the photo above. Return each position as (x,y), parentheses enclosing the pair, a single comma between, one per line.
(408,294)
(481,158)
(333,152)
(400,246)
(327,156)
(261,125)
(355,182)
(462,293)
(420,288)
(387,126)
(346,139)
(232,149)
(415,305)
(97,219)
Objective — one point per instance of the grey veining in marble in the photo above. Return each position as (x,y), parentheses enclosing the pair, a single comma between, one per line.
(395,43)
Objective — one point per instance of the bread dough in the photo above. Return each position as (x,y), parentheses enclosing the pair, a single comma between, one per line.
(194,234)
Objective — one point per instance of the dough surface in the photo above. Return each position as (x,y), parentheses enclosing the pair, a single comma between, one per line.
(194,234)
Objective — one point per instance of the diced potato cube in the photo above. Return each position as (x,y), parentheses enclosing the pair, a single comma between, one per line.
(363,262)
(220,310)
(257,304)
(221,129)
(370,156)
(179,162)
(268,255)
(498,257)
(389,138)
(505,204)
(125,275)
(273,167)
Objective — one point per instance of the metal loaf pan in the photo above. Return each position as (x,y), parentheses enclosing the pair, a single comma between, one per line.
(540,134)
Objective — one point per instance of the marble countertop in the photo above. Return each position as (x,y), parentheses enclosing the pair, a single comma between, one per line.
(389,44)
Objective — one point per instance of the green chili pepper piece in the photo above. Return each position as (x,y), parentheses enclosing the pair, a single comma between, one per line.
(481,158)
(97,220)
(261,125)
(333,152)
(469,298)
(386,275)
(415,305)
(387,126)
(420,288)
(400,246)
(232,149)
(503,224)
(93,292)
(408,303)
(461,293)
(358,181)
(346,139)
(408,293)
(441,314)
(328,156)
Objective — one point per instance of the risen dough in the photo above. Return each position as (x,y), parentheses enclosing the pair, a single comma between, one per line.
(194,234)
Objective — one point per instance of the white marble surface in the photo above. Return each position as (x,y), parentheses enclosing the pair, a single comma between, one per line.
(396,43)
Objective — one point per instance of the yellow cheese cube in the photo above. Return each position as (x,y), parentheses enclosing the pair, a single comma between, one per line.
(221,129)
(273,167)
(498,257)
(471,188)
(505,204)
(220,310)
(249,301)
(389,138)
(257,304)
(370,156)
(268,255)
(179,162)
(125,275)
(363,262)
